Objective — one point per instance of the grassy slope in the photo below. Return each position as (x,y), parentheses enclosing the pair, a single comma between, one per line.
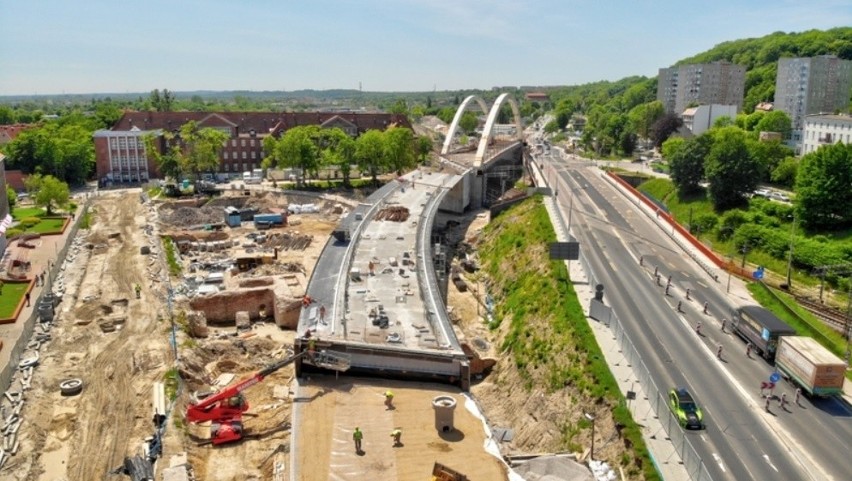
(548,337)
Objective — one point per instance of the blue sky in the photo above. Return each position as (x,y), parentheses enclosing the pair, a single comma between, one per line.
(73,46)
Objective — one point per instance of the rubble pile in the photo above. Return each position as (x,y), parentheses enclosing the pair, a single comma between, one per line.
(288,241)
(190,216)
(395,214)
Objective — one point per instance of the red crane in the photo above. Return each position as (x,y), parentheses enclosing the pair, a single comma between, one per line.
(225,409)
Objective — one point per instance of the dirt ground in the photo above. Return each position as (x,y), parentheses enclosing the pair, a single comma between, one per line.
(119,346)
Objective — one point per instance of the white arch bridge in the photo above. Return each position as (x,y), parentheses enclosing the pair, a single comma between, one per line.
(491,120)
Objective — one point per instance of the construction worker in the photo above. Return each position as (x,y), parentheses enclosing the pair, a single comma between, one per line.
(138,290)
(357,436)
(389,399)
(322,313)
(396,434)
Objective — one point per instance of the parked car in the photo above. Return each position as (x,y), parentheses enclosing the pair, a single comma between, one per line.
(761,193)
(685,409)
(779,196)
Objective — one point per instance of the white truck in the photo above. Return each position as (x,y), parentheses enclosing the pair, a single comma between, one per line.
(809,365)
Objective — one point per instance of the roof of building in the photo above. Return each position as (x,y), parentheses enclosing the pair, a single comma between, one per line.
(261,123)
(15,179)
(764,106)
(823,117)
(537,96)
(689,112)
(9,132)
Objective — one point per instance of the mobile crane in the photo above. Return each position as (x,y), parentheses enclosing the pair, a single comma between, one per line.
(225,409)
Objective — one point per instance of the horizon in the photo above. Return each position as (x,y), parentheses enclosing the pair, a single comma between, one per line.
(374,46)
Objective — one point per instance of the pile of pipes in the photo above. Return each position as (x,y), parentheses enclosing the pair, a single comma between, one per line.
(288,241)
(395,214)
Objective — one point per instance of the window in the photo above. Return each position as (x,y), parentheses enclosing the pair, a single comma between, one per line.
(244,155)
(242,142)
(251,142)
(253,155)
(227,167)
(225,155)
(233,142)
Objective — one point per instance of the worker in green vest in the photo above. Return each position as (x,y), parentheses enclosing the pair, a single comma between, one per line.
(357,436)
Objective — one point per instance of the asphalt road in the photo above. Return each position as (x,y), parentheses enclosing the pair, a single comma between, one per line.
(741,441)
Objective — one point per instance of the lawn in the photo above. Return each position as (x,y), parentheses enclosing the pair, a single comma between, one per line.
(11,295)
(48,225)
(21,212)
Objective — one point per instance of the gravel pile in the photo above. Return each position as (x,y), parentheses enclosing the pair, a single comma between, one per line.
(191,216)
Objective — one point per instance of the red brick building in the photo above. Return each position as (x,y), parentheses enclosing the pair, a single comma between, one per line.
(120,152)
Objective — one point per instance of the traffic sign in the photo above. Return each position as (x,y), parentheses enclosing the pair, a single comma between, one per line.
(774,377)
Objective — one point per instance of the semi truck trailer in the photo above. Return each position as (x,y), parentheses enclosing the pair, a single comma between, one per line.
(809,365)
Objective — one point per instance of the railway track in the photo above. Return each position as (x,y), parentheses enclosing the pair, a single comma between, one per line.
(833,318)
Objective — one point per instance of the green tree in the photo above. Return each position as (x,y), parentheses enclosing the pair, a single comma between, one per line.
(643,116)
(424,146)
(7,115)
(167,162)
(823,195)
(775,121)
(687,163)
(200,152)
(162,102)
(11,196)
(299,148)
(730,169)
(47,191)
(399,107)
(370,153)
(769,154)
(785,173)
(468,122)
(338,149)
(399,148)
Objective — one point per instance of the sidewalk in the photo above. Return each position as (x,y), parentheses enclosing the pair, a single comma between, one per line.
(42,258)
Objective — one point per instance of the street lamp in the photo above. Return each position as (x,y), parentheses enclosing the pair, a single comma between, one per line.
(592,420)
(790,256)
(571,205)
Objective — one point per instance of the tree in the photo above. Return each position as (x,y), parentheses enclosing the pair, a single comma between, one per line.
(48,191)
(167,162)
(399,148)
(823,196)
(423,145)
(338,149)
(200,152)
(687,163)
(469,122)
(370,153)
(769,154)
(11,197)
(399,107)
(730,169)
(299,148)
(7,115)
(162,102)
(775,121)
(785,173)
(665,127)
(643,116)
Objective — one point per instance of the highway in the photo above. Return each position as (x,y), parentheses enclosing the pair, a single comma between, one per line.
(741,440)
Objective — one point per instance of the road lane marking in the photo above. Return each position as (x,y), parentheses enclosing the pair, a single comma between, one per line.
(766,457)
(720,463)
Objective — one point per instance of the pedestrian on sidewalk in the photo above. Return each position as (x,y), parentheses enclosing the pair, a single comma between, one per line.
(27,297)
(706,305)
(357,436)
(667,289)
(679,306)
(322,313)
(783,401)
(656,271)
(719,352)
(798,395)
(641,260)
(687,293)
(724,323)
(748,350)
(766,406)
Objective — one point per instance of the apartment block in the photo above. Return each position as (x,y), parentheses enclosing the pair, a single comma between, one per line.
(819,130)
(698,84)
(811,85)
(120,154)
(700,119)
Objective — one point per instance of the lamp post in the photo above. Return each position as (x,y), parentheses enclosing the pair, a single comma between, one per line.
(592,450)
(790,256)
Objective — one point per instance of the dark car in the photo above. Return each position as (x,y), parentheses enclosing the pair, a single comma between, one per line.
(685,409)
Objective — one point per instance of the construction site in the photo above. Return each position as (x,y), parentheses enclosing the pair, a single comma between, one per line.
(182,326)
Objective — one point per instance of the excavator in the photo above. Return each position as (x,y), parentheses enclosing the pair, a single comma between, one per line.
(225,409)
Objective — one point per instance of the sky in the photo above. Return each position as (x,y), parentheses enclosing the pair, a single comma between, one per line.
(109,46)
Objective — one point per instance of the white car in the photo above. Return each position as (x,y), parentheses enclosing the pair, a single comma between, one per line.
(762,193)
